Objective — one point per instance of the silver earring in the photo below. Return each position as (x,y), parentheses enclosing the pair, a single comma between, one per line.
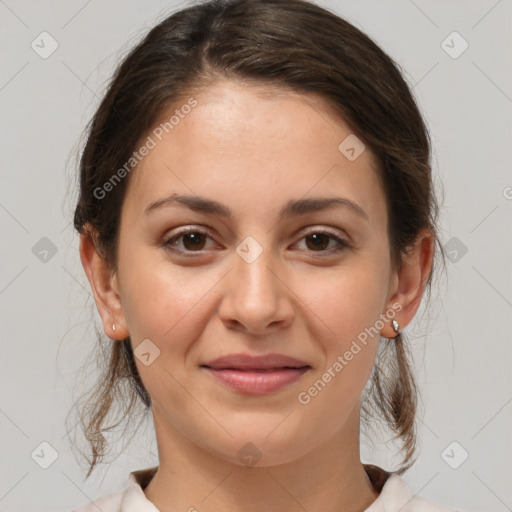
(396,326)
(114,327)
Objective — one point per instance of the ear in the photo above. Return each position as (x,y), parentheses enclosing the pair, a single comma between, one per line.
(410,281)
(105,287)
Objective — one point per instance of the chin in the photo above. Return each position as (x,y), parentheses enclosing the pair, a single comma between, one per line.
(261,449)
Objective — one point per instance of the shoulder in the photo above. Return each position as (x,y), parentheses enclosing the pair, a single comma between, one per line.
(396,496)
(110,503)
(131,497)
(421,504)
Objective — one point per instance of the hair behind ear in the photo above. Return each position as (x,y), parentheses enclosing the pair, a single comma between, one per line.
(392,395)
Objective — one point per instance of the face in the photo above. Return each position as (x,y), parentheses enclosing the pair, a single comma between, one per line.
(247,278)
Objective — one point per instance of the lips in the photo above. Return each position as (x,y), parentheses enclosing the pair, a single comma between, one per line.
(255,363)
(256,375)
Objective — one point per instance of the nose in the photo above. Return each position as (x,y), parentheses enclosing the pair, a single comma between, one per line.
(256,298)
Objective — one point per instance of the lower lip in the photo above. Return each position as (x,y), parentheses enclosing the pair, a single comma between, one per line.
(258,383)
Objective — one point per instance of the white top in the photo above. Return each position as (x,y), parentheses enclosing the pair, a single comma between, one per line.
(394,495)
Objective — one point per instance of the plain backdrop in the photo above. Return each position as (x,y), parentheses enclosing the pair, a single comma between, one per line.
(46,311)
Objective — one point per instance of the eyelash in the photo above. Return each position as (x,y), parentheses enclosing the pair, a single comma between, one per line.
(168,243)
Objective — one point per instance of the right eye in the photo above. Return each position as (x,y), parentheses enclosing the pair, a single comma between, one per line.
(193,240)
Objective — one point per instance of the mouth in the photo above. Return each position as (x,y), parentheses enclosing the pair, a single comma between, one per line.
(256,374)
(262,370)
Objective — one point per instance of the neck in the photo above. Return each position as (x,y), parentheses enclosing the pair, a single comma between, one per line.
(331,477)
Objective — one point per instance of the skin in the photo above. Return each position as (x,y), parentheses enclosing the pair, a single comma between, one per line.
(254,148)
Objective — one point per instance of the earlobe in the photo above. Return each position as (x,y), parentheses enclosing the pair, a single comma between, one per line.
(412,280)
(104,286)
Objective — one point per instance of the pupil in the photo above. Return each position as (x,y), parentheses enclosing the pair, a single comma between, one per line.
(317,239)
(194,237)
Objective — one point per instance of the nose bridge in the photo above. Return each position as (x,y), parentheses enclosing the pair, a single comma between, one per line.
(252,268)
(256,294)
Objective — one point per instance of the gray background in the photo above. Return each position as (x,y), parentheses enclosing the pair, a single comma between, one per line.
(46,308)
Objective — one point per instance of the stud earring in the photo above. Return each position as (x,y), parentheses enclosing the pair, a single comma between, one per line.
(114,327)
(396,326)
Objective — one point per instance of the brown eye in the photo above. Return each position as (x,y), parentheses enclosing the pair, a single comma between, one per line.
(318,241)
(193,240)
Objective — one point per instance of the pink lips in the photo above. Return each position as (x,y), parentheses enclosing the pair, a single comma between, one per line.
(256,375)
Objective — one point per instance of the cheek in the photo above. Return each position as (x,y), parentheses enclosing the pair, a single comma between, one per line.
(167,306)
(164,302)
(345,301)
(346,307)
(348,311)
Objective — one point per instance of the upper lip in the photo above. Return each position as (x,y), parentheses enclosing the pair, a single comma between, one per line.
(258,362)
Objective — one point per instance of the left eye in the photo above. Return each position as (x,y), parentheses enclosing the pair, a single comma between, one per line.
(320,240)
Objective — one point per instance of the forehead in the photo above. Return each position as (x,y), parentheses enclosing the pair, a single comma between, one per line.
(251,145)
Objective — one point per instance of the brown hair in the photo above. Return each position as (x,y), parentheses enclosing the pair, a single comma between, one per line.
(293,44)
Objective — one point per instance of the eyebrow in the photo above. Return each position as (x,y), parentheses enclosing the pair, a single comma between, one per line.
(293,207)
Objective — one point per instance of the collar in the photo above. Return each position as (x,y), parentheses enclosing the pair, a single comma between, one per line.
(394,492)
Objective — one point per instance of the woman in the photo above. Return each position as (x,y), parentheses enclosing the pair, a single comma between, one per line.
(258,224)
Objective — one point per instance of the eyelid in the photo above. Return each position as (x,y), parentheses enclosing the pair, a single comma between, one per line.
(328,230)
(322,229)
(183,231)
(343,242)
